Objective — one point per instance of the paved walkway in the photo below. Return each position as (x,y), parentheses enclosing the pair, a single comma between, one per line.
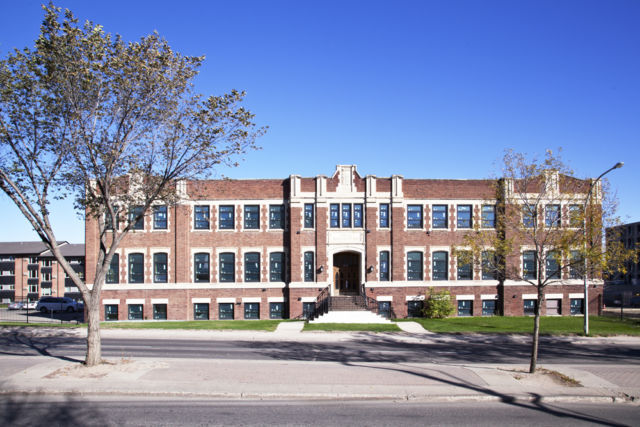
(302,379)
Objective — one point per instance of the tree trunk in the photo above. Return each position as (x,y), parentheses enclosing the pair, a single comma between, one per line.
(536,335)
(94,346)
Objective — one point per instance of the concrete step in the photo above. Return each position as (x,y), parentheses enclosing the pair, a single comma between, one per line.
(335,316)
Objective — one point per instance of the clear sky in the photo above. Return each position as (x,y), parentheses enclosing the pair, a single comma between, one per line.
(424,89)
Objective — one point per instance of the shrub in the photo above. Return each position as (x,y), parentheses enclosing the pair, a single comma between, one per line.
(438,305)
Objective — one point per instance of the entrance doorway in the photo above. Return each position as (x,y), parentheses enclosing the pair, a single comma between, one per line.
(346,273)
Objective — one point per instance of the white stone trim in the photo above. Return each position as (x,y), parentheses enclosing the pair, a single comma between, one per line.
(489,297)
(577,295)
(226,300)
(200,300)
(530,296)
(415,298)
(201,285)
(384,298)
(110,302)
(251,299)
(465,297)
(159,300)
(275,299)
(553,296)
(308,299)
(135,300)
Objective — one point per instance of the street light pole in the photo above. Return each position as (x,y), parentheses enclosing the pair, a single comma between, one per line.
(585,273)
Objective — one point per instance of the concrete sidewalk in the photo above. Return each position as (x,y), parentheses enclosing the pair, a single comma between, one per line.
(301,379)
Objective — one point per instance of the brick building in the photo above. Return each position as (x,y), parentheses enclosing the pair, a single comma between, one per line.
(273,248)
(28,271)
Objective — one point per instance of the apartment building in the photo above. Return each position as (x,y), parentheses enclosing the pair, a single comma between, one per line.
(275,248)
(28,271)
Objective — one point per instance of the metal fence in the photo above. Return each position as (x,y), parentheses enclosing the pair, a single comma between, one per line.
(33,316)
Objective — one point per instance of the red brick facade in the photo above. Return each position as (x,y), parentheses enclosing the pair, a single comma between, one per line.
(338,220)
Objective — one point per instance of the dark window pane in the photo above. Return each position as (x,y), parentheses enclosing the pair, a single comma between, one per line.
(529,216)
(201,311)
(334,215)
(439,216)
(346,215)
(529,265)
(464,216)
(160,268)
(576,267)
(440,266)
(575,216)
(357,215)
(136,268)
(488,307)
(113,274)
(110,312)
(465,272)
(529,307)
(252,267)
(276,267)
(251,217)
(226,221)
(384,309)
(384,215)
(309,267)
(160,217)
(488,216)
(201,267)
(276,310)
(201,218)
(414,266)
(384,266)
(308,215)
(552,266)
(577,306)
(414,216)
(135,312)
(552,216)
(225,311)
(108,221)
(134,212)
(414,308)
(465,308)
(307,309)
(227,267)
(251,310)
(276,217)
(489,265)
(159,311)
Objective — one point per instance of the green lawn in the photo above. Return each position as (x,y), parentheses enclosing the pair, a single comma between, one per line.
(247,325)
(351,327)
(598,326)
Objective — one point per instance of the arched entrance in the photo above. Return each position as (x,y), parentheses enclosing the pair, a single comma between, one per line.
(346,273)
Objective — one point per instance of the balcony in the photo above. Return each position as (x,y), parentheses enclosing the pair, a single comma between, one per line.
(32,266)
(8,280)
(32,281)
(45,270)
(7,265)
(45,284)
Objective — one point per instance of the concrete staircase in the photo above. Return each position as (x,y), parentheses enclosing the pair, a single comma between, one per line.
(349,309)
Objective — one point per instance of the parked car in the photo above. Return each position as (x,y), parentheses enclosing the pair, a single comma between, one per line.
(635,301)
(47,304)
(16,305)
(30,305)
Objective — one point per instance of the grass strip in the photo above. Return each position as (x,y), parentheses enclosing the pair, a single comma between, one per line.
(351,327)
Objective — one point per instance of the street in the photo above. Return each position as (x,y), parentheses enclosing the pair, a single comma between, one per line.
(115,411)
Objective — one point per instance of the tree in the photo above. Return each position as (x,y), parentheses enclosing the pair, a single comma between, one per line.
(548,223)
(115,125)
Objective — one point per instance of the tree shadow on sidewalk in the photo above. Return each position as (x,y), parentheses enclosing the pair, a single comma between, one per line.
(41,345)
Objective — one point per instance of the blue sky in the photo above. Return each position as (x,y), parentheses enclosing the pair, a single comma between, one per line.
(423,89)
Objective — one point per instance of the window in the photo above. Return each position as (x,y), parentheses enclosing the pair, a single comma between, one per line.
(46,291)
(307,309)
(33,260)
(225,311)
(159,311)
(552,216)
(309,267)
(226,218)
(529,265)
(489,265)
(160,217)
(465,272)
(251,310)
(276,267)
(488,216)
(384,215)
(357,215)
(251,217)
(113,274)
(439,216)
(46,277)
(226,265)
(414,308)
(276,310)
(201,267)
(108,221)
(576,306)
(414,216)
(414,266)
(552,266)
(346,215)
(33,288)
(252,267)
(201,218)
(47,263)
(135,311)
(465,307)
(33,274)
(384,266)
(276,217)
(136,212)
(309,218)
(488,307)
(575,216)
(110,312)
(440,270)
(384,309)
(334,214)
(529,306)
(201,311)
(576,266)
(160,268)
(529,216)
(464,216)
(136,268)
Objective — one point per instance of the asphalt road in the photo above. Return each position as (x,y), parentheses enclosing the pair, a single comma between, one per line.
(75,410)
(476,349)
